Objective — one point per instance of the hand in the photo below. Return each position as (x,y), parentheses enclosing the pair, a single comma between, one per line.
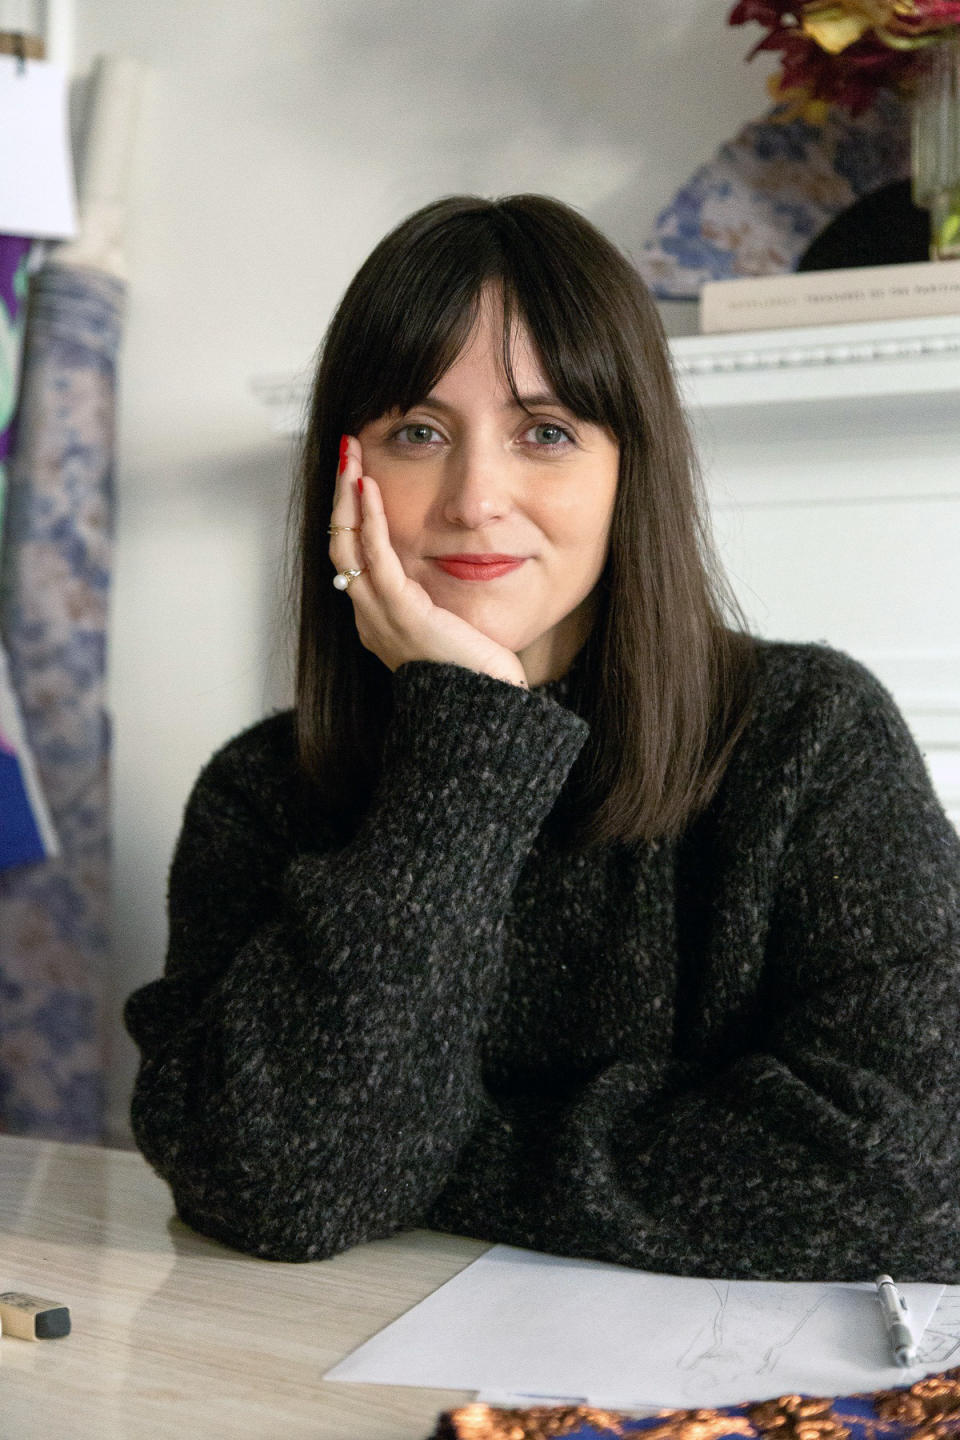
(395,617)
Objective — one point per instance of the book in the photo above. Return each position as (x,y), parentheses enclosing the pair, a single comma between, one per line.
(831,297)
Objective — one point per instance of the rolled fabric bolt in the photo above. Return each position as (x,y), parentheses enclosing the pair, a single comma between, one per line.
(30,1318)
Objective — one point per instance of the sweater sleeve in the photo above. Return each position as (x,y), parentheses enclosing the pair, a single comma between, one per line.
(818,1139)
(829,1148)
(310,1066)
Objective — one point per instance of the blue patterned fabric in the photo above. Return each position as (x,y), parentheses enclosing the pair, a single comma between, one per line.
(25,830)
(766,194)
(54,586)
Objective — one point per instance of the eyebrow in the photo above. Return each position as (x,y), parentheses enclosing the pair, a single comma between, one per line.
(525,402)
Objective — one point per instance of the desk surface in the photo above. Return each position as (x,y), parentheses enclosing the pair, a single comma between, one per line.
(174,1335)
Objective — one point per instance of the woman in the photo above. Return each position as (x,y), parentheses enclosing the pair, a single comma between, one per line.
(560,913)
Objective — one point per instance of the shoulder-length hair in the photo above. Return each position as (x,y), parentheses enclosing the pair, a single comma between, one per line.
(663,680)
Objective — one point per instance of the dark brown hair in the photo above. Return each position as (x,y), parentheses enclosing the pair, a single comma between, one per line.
(662,679)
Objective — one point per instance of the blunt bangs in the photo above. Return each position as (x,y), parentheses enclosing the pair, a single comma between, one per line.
(574,322)
(417,299)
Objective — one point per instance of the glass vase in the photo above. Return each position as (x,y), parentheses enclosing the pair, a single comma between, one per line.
(936,143)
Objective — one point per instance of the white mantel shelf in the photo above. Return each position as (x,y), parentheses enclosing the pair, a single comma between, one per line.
(821,362)
(814,363)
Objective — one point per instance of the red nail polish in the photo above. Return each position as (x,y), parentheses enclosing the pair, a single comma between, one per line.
(360,483)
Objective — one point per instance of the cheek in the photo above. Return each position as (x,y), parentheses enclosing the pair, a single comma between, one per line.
(598,522)
(404,515)
(582,531)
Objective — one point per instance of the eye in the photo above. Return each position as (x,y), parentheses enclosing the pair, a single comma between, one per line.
(417,433)
(548,434)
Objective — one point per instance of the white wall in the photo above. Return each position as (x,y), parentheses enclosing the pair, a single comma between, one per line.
(277,142)
(837,511)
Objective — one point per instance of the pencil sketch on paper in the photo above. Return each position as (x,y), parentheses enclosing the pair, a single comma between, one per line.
(730,1334)
(774,1352)
(941,1339)
(692,1357)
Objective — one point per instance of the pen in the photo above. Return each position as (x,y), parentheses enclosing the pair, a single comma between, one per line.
(895,1318)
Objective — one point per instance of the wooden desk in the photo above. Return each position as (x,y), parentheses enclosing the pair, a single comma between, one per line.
(173,1335)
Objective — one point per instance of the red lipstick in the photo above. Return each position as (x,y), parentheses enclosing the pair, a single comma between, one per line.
(479,567)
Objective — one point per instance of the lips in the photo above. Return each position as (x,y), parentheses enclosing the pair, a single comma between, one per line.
(479,567)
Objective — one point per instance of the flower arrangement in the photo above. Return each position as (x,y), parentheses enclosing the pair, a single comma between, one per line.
(839,52)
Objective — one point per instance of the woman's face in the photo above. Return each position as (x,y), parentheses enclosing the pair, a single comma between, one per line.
(501,514)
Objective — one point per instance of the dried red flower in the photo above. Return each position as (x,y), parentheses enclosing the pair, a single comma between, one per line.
(883,58)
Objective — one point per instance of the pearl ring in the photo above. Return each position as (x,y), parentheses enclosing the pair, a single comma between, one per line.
(345,578)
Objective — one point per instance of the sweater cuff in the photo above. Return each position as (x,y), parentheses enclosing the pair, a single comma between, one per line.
(510,746)
(472,766)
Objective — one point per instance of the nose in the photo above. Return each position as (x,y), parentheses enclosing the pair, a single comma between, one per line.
(477,486)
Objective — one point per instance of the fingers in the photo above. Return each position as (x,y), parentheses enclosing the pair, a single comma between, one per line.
(346,519)
(384,570)
(362,538)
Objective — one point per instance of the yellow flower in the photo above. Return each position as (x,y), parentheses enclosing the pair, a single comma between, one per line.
(835,24)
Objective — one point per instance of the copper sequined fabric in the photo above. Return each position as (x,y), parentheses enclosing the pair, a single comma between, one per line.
(928,1410)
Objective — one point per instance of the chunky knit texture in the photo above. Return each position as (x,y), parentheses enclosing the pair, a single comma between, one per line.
(734,1054)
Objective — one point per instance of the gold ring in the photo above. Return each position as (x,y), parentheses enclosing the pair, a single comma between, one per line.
(343,530)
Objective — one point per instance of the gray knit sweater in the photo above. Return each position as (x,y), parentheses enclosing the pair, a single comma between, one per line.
(734,1054)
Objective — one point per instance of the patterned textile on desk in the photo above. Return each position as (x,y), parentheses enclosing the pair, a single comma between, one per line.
(53,610)
(928,1410)
(754,208)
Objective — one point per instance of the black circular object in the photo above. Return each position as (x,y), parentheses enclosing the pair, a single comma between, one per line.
(883,228)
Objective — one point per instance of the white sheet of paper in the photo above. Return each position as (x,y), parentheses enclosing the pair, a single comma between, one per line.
(940,1346)
(36,167)
(540,1326)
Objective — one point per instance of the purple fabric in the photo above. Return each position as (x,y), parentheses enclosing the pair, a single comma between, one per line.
(54,584)
(14,250)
